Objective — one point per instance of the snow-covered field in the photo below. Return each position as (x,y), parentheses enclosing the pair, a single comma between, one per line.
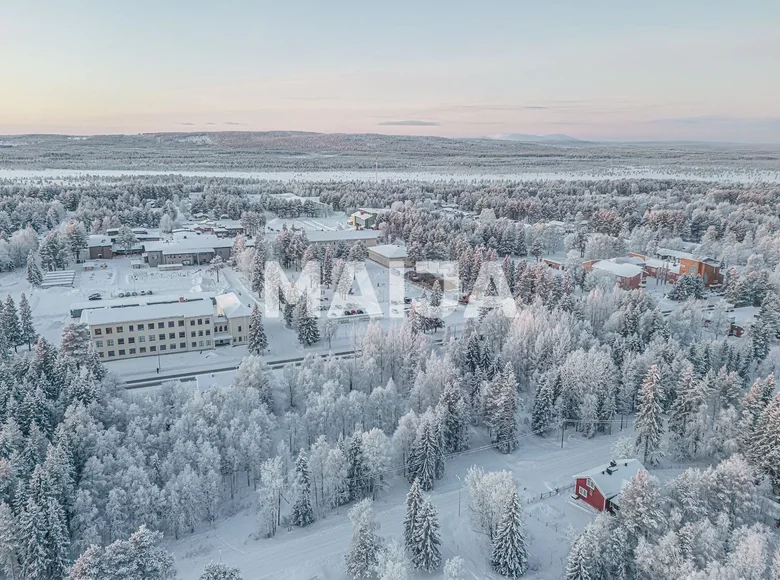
(635,172)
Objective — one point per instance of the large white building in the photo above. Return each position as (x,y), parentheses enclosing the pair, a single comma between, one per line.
(155,329)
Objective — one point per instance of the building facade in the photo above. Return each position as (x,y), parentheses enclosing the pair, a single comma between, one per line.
(157,329)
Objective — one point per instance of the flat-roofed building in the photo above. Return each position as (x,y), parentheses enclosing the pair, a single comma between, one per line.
(120,333)
(187,249)
(368,237)
(390,256)
(198,324)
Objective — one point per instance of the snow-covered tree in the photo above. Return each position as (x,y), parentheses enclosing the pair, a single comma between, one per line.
(426,458)
(75,235)
(220,572)
(302,513)
(9,542)
(27,329)
(9,323)
(425,548)
(272,483)
(125,238)
(649,422)
(453,419)
(258,268)
(392,563)
(510,553)
(363,555)
(455,569)
(308,330)
(414,500)
(34,275)
(137,557)
(216,264)
(74,342)
(258,341)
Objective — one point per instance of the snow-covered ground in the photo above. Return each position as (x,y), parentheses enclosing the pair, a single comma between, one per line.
(539,465)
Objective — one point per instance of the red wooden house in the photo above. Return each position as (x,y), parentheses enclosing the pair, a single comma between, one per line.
(600,487)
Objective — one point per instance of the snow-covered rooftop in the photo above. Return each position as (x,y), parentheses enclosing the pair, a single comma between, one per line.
(390,251)
(98,241)
(188,243)
(361,213)
(231,306)
(337,235)
(611,484)
(622,270)
(673,253)
(149,312)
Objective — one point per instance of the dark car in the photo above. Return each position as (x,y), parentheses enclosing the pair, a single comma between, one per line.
(407,300)
(95,297)
(360,312)
(347,313)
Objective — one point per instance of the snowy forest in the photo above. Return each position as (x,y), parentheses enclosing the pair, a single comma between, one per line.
(97,482)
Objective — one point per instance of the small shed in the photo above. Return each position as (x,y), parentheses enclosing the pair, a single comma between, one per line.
(601,486)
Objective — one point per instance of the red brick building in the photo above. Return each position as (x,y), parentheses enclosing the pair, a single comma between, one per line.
(600,487)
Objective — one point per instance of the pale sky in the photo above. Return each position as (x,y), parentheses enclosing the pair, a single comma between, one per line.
(609,70)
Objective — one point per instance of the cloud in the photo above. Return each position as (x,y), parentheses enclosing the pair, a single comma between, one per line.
(410,123)
(211,123)
(186,124)
(233,123)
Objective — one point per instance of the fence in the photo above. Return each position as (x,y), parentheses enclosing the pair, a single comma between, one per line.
(552,492)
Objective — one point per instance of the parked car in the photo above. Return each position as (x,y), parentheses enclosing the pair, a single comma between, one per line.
(360,312)
(135,293)
(346,313)
(353,312)
(407,300)
(149,292)
(121,294)
(95,297)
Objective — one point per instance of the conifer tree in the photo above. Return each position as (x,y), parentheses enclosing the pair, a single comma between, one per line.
(649,423)
(258,268)
(452,416)
(10,323)
(258,341)
(426,553)
(426,459)
(504,422)
(34,274)
(392,563)
(414,500)
(543,411)
(9,543)
(308,331)
(765,447)
(357,471)
(510,554)
(302,513)
(363,555)
(74,342)
(27,329)
(578,565)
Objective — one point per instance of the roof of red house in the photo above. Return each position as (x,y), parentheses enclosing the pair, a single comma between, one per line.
(611,479)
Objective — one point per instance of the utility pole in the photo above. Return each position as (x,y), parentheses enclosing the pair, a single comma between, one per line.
(563,430)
